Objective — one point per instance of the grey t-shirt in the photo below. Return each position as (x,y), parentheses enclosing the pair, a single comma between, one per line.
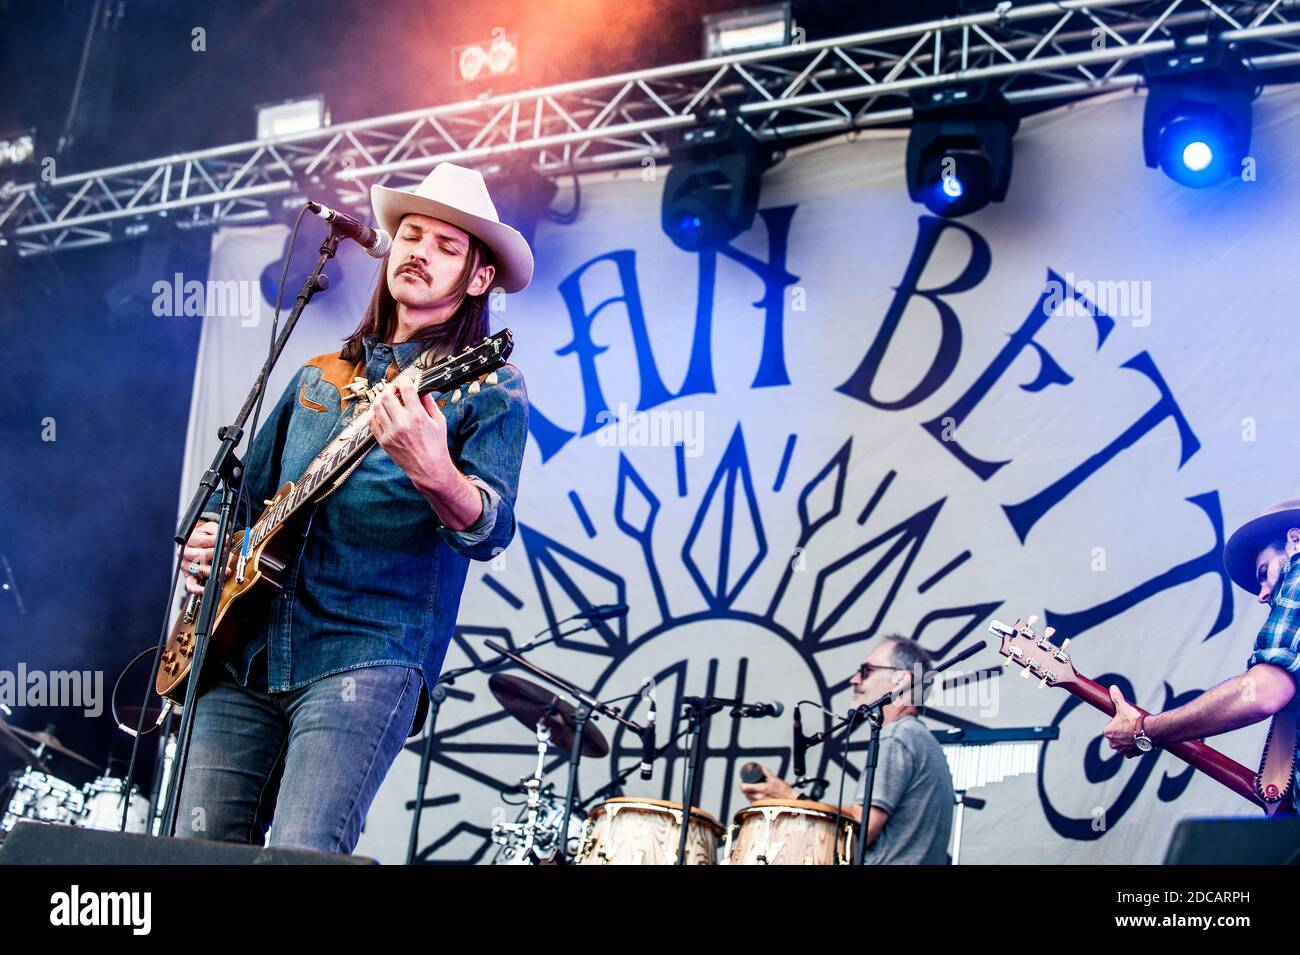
(914,786)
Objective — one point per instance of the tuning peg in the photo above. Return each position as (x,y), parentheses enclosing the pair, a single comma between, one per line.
(474,387)
(1065,644)
(492,378)
(1024,674)
(455,396)
(1047,632)
(1042,683)
(1033,619)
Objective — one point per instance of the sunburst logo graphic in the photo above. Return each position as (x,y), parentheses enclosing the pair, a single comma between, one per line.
(754,570)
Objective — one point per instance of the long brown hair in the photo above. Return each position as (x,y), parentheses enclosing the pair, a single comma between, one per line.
(467,326)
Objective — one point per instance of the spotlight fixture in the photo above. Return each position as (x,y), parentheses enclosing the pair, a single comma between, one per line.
(17,148)
(753,28)
(1196,125)
(478,61)
(959,150)
(291,116)
(711,193)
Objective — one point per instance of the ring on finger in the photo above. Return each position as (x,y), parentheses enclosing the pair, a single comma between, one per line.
(194,568)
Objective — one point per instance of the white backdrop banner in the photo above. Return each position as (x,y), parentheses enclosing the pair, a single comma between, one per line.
(858,419)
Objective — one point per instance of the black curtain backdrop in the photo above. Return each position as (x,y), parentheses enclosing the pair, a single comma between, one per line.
(86,519)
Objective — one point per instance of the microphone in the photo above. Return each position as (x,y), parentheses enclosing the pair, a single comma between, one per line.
(648,743)
(602,612)
(800,747)
(751,773)
(759,709)
(376,242)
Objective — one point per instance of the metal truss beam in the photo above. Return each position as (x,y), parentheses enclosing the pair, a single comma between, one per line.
(1041,51)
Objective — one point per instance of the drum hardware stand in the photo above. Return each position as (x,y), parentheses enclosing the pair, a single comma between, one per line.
(586,707)
(581,713)
(438,696)
(533,787)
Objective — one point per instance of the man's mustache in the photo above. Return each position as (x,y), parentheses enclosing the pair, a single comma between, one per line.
(414,268)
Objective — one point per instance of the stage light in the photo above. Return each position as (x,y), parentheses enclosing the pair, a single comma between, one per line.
(959,150)
(489,58)
(754,28)
(1196,124)
(711,193)
(291,116)
(17,148)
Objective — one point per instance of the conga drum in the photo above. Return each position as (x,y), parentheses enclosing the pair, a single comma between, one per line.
(633,831)
(791,832)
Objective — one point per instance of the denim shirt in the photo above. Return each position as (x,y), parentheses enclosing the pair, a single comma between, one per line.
(376,579)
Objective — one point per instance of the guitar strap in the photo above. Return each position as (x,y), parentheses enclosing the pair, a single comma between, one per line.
(1276,776)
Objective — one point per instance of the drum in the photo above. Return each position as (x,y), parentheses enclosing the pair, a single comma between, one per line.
(104,807)
(791,832)
(43,798)
(632,831)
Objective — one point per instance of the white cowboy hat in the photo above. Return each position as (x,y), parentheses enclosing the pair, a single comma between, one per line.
(459,195)
(1243,547)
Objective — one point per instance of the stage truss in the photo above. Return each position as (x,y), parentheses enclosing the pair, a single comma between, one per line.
(1043,51)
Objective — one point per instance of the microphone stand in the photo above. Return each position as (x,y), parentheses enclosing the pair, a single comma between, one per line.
(698,711)
(438,696)
(227,470)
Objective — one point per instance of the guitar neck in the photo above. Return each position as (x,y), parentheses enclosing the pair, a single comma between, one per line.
(452,373)
(1208,760)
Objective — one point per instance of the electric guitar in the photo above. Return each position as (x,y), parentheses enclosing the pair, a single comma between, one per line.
(256,579)
(1051,663)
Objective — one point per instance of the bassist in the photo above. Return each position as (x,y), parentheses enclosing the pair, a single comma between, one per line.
(1263,558)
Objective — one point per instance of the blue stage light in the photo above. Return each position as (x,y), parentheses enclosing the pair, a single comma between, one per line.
(1196,125)
(959,149)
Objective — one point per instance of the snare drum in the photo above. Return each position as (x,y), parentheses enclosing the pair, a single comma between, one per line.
(632,831)
(104,807)
(791,832)
(43,798)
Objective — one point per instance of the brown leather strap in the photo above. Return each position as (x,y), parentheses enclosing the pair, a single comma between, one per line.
(1277,765)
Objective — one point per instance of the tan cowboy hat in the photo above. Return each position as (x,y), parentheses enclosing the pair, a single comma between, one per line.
(458,195)
(1243,546)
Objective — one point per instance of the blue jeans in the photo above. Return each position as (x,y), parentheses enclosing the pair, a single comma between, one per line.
(309,760)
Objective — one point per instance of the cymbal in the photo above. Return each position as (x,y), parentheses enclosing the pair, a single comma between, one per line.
(52,744)
(13,743)
(530,703)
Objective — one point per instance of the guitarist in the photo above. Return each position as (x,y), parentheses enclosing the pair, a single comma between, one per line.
(1263,558)
(302,722)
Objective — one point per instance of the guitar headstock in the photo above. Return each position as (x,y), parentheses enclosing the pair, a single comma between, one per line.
(471,367)
(1035,652)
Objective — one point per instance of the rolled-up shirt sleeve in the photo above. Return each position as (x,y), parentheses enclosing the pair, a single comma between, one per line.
(488,448)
